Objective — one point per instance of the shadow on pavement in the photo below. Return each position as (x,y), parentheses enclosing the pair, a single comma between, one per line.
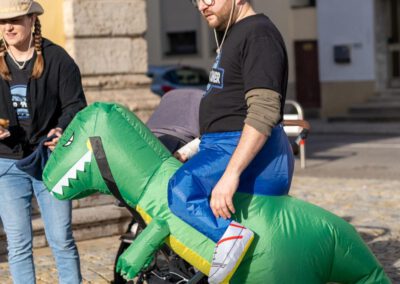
(352,156)
(385,247)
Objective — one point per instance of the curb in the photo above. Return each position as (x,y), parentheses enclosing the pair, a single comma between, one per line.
(354,128)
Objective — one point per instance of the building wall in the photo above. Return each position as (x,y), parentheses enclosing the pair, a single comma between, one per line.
(174,16)
(344,84)
(304,23)
(294,24)
(381,35)
(106,39)
(358,34)
(279,12)
(107,42)
(330,23)
(338,96)
(53,20)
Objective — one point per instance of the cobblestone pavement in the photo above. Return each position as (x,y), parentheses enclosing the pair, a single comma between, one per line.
(372,206)
(97,259)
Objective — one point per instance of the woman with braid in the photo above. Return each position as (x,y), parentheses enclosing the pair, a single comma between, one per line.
(40,92)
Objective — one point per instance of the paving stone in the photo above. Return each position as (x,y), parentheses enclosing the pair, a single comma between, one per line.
(372,206)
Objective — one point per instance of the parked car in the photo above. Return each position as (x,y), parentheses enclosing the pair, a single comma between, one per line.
(167,78)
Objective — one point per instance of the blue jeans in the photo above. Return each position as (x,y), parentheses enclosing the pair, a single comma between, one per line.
(16,189)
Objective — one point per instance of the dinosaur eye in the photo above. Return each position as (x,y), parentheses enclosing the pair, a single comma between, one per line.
(70,140)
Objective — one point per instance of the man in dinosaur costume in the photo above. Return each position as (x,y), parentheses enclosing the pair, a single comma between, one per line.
(295,242)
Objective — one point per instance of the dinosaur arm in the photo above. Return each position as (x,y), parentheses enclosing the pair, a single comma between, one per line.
(140,253)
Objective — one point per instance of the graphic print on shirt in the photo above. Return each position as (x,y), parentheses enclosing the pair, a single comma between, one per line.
(216,79)
(20,103)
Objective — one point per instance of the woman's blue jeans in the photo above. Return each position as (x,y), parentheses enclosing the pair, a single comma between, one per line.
(16,190)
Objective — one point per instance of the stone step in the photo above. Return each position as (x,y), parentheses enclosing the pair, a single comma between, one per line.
(366,117)
(323,127)
(378,110)
(90,201)
(88,223)
(390,92)
(93,200)
(383,107)
(384,98)
(141,101)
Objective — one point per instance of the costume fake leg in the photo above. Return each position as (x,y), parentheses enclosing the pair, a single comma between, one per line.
(140,252)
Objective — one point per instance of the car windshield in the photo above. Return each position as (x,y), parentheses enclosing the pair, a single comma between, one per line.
(187,76)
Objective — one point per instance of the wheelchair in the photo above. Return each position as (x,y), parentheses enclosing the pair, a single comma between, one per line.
(175,123)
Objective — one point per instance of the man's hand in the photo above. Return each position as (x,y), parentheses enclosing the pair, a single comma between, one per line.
(52,144)
(222,196)
(4,133)
(250,143)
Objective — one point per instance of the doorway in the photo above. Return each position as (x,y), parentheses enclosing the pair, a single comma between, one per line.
(307,74)
(394,44)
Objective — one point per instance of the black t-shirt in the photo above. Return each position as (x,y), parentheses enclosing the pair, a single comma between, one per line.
(19,98)
(253,56)
(53,100)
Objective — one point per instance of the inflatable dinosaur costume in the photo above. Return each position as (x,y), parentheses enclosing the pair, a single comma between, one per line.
(295,242)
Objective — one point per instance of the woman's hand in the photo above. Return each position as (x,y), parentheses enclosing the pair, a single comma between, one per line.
(222,196)
(52,144)
(4,133)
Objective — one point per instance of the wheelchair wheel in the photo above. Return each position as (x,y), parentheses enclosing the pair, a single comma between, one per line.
(167,267)
(126,240)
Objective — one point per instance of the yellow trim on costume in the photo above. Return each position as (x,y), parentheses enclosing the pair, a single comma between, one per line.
(185,252)
(146,217)
(89,145)
(229,276)
(189,255)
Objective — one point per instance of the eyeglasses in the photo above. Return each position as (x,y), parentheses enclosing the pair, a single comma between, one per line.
(205,2)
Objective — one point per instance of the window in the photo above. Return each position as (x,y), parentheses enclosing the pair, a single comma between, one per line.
(187,76)
(180,34)
(302,3)
(181,43)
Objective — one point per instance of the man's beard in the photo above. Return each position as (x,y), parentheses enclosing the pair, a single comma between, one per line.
(221,23)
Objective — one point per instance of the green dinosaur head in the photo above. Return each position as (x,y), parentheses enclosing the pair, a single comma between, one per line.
(132,152)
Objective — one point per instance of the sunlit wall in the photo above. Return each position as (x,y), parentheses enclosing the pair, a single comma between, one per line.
(52,21)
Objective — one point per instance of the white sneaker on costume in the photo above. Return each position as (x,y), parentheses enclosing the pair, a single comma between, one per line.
(229,252)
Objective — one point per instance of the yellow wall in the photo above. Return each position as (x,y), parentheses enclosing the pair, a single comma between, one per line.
(52,21)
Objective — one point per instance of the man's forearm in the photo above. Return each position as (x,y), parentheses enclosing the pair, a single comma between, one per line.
(250,144)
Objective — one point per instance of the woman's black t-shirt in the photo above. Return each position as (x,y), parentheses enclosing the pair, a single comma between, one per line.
(19,98)
(253,56)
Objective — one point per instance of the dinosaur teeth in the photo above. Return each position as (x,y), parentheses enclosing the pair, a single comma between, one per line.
(72,172)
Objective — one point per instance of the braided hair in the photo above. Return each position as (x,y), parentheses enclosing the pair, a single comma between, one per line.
(39,62)
(4,71)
